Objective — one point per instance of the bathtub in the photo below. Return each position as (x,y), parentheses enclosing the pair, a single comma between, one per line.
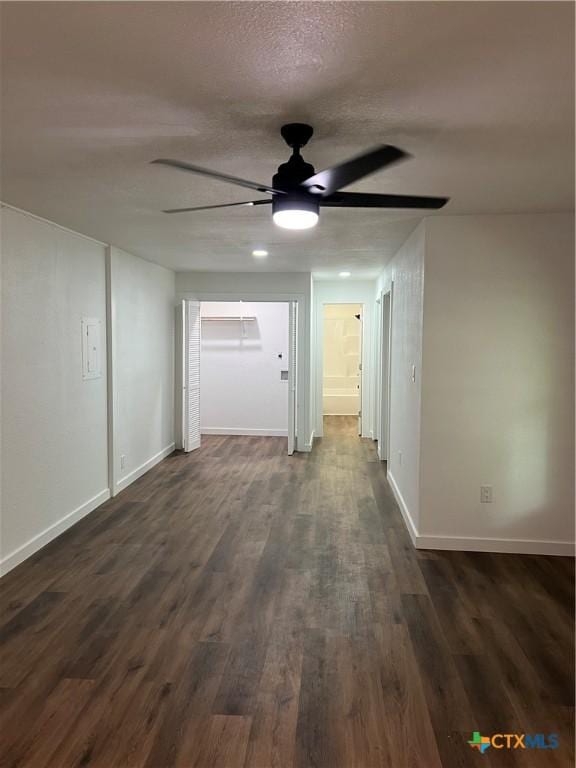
(341,401)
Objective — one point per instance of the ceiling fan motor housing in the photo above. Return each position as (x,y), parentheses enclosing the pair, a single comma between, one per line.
(291,174)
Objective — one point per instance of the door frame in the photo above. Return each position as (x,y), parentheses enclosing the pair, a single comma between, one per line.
(364,362)
(191,311)
(301,368)
(384,371)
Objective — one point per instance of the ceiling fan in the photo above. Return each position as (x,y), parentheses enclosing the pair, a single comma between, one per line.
(298,192)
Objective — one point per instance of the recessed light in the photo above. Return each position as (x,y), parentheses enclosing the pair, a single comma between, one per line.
(345,274)
(259,253)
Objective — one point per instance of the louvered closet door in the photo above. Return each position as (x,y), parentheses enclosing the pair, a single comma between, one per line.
(191,410)
(292,374)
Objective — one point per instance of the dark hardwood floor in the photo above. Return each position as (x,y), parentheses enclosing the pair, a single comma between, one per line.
(237,608)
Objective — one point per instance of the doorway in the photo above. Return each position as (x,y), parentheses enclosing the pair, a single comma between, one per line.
(383,412)
(239,365)
(342,356)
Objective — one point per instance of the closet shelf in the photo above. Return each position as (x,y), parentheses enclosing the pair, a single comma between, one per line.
(214,318)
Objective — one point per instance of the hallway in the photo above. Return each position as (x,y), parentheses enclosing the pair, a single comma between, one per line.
(236,608)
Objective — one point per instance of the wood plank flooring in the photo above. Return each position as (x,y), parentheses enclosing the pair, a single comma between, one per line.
(238,608)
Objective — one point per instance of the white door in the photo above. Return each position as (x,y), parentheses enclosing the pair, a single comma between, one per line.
(384,397)
(292,374)
(180,373)
(361,342)
(191,368)
(378,360)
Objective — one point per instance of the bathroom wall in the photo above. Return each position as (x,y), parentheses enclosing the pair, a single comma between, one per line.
(342,348)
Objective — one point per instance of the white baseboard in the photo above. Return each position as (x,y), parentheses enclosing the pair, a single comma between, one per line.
(48,534)
(509,546)
(246,432)
(143,468)
(412,530)
(471,544)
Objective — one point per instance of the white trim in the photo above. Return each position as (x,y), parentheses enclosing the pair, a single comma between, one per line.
(366,357)
(412,530)
(179,374)
(310,444)
(510,546)
(384,363)
(48,221)
(143,468)
(303,371)
(111,374)
(191,385)
(292,430)
(243,431)
(48,534)
(247,296)
(472,544)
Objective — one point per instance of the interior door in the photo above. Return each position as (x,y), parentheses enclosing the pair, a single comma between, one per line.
(292,375)
(191,383)
(378,361)
(386,307)
(361,342)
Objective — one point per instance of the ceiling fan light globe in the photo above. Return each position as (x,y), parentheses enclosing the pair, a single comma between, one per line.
(294,218)
(295,211)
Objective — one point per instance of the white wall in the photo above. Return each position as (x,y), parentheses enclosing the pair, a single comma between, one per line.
(341,359)
(346,292)
(262,286)
(241,391)
(405,273)
(59,458)
(54,423)
(143,321)
(498,383)
(342,332)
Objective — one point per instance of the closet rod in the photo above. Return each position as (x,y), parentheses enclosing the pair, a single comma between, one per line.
(228,317)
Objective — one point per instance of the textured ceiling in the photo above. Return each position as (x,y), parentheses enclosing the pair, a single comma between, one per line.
(480,93)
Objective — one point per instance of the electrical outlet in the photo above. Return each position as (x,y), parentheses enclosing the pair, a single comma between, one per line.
(122,461)
(413,375)
(400,458)
(486,494)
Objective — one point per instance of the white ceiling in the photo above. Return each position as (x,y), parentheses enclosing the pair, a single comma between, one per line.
(480,93)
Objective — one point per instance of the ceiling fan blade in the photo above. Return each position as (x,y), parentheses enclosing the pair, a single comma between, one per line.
(360,200)
(328,181)
(181,166)
(223,205)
